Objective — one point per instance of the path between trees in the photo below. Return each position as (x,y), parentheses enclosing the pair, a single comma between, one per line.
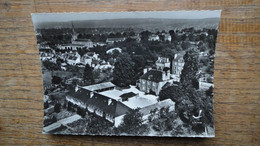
(61,122)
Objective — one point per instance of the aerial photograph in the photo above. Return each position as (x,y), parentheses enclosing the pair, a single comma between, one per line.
(128,73)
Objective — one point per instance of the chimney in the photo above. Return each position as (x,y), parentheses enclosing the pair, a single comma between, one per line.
(175,55)
(168,74)
(163,75)
(76,88)
(145,70)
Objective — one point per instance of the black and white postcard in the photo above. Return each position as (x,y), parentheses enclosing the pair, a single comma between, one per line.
(128,73)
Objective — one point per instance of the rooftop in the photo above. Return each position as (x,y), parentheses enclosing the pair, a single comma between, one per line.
(165,103)
(179,55)
(115,39)
(99,86)
(73,58)
(127,95)
(83,40)
(153,75)
(102,102)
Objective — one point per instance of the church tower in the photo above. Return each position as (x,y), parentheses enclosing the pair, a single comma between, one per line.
(74,34)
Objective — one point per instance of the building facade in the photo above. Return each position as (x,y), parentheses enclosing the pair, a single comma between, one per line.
(177,64)
(90,100)
(153,81)
(162,62)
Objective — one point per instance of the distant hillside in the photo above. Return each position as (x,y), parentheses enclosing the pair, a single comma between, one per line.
(136,24)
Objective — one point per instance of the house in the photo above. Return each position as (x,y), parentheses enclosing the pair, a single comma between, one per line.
(46,56)
(136,37)
(44,47)
(99,44)
(153,37)
(162,62)
(73,60)
(73,79)
(167,37)
(63,66)
(89,58)
(89,99)
(73,47)
(103,66)
(93,55)
(84,42)
(177,65)
(86,60)
(204,77)
(110,51)
(204,54)
(113,40)
(145,111)
(153,80)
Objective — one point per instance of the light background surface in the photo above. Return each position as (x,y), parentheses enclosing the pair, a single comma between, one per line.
(237,74)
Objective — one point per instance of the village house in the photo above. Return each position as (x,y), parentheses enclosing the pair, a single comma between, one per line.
(98,44)
(167,37)
(103,66)
(204,77)
(84,42)
(44,47)
(153,80)
(46,56)
(73,60)
(136,37)
(162,62)
(63,66)
(70,81)
(89,59)
(153,37)
(177,65)
(85,59)
(113,40)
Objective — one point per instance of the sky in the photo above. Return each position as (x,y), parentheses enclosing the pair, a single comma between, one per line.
(65,17)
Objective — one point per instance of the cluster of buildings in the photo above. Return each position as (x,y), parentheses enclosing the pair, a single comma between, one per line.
(91,99)
(155,37)
(153,80)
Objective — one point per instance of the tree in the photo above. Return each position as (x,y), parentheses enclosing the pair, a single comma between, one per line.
(97,125)
(209,92)
(56,80)
(88,74)
(124,70)
(46,105)
(57,107)
(145,35)
(139,62)
(190,69)
(172,92)
(162,120)
(132,123)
